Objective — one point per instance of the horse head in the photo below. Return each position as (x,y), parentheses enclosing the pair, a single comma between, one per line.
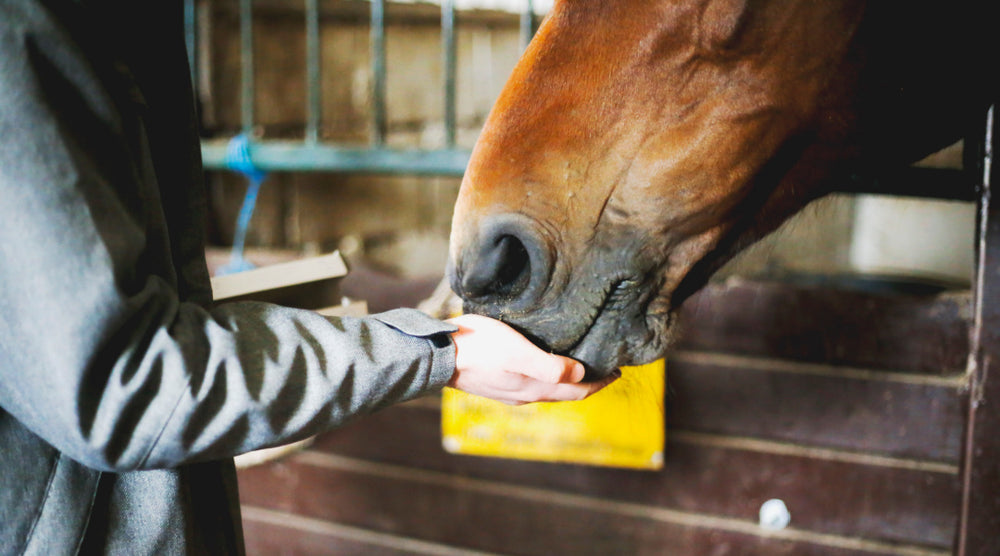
(638,145)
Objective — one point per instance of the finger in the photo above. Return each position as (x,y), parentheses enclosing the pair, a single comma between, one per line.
(572,392)
(576,371)
(565,392)
(554,369)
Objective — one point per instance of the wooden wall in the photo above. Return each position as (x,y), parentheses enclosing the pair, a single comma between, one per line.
(847,405)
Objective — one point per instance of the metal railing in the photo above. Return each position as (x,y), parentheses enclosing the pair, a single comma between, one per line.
(312,154)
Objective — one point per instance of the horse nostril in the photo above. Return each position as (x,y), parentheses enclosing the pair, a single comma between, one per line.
(502,265)
(500,268)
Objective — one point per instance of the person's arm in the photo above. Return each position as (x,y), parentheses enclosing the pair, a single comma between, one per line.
(99,353)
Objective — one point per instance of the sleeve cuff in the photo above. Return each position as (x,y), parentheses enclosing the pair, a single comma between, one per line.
(415,323)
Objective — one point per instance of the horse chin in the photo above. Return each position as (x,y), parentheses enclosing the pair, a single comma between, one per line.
(617,339)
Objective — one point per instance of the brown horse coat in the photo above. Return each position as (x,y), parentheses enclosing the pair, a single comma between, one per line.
(639,144)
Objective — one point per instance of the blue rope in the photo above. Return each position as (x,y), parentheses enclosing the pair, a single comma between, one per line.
(238,159)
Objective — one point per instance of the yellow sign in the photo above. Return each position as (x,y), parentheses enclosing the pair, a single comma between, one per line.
(620,426)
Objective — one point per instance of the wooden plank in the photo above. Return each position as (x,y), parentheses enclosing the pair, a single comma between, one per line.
(265,539)
(816,323)
(269,532)
(499,517)
(309,282)
(979,529)
(701,475)
(824,406)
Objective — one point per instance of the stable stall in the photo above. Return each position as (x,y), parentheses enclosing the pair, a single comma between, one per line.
(808,410)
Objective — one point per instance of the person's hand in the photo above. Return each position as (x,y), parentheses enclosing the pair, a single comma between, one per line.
(495,361)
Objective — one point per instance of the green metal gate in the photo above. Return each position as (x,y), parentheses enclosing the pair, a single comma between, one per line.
(312,154)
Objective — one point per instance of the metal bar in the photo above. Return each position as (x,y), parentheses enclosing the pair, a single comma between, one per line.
(527,23)
(191,40)
(979,512)
(246,66)
(294,156)
(448,47)
(313,91)
(378,72)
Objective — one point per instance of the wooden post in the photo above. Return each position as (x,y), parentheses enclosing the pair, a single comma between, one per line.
(979,519)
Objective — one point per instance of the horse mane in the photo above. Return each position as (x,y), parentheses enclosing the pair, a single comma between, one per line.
(927,71)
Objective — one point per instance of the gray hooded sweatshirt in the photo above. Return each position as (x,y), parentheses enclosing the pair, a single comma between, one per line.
(124,393)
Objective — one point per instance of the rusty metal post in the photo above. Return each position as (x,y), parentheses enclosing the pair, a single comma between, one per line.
(314,93)
(449,63)
(979,518)
(246,66)
(377,38)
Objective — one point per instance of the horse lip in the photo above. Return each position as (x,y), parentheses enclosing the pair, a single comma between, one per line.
(601,308)
(620,293)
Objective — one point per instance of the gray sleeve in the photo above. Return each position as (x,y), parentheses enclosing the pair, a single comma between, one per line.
(99,353)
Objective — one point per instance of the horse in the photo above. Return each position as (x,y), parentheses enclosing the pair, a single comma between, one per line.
(640,144)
